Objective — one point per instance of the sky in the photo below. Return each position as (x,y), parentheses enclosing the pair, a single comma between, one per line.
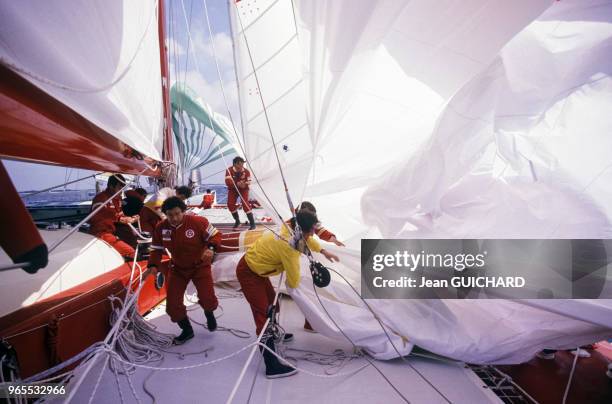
(191,63)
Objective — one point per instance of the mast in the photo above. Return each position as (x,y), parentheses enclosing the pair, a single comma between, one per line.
(168,154)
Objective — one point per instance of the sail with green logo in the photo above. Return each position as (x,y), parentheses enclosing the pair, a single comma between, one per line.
(201,135)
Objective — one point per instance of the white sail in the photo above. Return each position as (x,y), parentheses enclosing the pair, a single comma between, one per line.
(356,87)
(109,72)
(201,135)
(414,119)
(269,69)
(520,151)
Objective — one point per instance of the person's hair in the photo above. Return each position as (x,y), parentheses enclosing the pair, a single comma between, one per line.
(306,220)
(237,160)
(305,205)
(141,191)
(184,190)
(131,205)
(173,202)
(208,191)
(114,180)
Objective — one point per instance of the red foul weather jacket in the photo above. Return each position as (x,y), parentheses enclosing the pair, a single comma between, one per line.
(186,242)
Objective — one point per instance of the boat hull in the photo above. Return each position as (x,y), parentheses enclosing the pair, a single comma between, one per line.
(53,330)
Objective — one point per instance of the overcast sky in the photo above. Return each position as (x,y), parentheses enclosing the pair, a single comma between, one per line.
(183,68)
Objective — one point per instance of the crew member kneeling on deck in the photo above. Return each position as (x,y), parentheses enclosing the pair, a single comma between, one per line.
(191,240)
(270,255)
(102,224)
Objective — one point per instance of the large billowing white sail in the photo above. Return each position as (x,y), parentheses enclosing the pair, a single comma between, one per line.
(109,72)
(435,119)
(521,150)
(355,87)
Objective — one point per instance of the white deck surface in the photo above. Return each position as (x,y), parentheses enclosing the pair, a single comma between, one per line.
(213,384)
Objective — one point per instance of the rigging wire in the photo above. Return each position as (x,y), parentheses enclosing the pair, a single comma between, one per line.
(60,185)
(309,255)
(190,50)
(229,112)
(376,317)
(279,166)
(571,375)
(265,111)
(72,230)
(226,103)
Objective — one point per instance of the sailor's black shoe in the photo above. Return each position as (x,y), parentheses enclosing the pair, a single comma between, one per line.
(279,370)
(236,220)
(275,369)
(288,337)
(251,221)
(186,333)
(211,321)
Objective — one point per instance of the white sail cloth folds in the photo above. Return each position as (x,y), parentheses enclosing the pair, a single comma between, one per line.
(109,72)
(429,119)
(350,88)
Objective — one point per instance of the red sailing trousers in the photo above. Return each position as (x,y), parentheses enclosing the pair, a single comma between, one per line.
(257,290)
(232,197)
(122,247)
(178,278)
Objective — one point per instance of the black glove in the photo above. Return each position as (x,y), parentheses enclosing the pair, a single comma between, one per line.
(38,257)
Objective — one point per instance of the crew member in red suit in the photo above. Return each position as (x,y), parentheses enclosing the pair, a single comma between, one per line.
(149,217)
(191,240)
(132,204)
(320,231)
(208,200)
(238,179)
(102,224)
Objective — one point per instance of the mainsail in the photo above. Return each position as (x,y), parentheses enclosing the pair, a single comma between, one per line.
(94,99)
(415,119)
